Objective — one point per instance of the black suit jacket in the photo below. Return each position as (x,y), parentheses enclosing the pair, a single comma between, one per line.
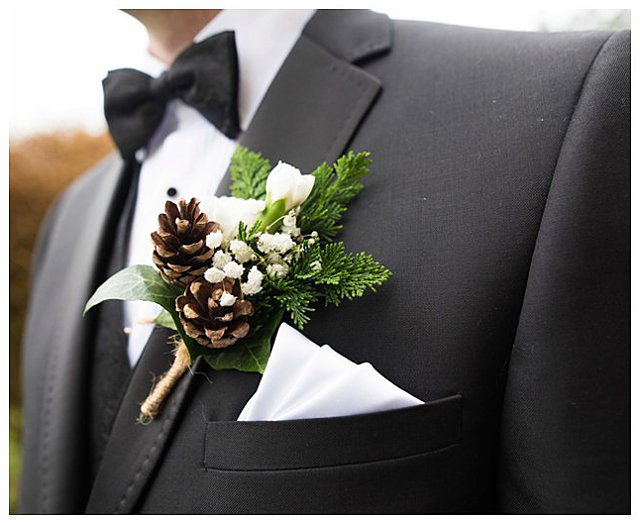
(499,197)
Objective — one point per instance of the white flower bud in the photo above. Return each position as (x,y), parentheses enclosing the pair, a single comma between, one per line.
(287,183)
(316,266)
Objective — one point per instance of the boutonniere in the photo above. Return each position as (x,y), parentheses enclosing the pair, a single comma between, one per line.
(227,269)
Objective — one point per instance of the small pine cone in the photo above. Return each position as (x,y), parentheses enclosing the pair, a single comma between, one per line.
(209,323)
(180,249)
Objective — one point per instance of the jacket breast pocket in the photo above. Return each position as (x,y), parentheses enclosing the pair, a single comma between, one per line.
(399,461)
(333,442)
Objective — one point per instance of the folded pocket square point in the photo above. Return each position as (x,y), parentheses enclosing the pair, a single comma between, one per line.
(303,380)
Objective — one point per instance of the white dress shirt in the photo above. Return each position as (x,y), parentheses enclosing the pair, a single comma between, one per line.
(187,156)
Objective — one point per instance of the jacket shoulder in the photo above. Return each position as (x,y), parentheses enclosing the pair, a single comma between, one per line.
(75,197)
(112,163)
(492,46)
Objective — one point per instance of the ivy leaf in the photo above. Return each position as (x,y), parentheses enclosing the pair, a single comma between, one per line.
(250,354)
(136,283)
(164,319)
(145,283)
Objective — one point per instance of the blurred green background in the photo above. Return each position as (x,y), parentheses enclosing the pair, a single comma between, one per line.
(49,161)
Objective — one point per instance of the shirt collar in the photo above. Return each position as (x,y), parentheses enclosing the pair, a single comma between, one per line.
(264,38)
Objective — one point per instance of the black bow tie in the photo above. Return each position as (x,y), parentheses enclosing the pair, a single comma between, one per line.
(204,76)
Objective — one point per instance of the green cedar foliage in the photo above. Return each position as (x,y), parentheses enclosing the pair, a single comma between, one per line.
(249,172)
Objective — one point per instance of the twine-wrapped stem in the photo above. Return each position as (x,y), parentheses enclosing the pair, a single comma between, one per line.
(152,404)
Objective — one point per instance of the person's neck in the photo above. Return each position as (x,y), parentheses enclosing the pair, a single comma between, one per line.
(171,31)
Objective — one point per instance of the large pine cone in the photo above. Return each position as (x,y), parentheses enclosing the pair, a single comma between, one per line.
(180,250)
(205,320)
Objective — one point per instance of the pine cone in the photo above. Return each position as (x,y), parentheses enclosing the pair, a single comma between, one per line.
(206,320)
(180,249)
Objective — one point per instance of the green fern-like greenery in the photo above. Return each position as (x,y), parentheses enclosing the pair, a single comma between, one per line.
(295,296)
(323,271)
(333,189)
(249,172)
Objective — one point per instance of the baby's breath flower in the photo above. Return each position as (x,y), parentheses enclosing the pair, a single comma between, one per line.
(241,250)
(233,270)
(316,266)
(227,299)
(253,285)
(214,275)
(274,258)
(289,220)
(293,231)
(289,224)
(214,240)
(221,259)
(277,270)
(278,242)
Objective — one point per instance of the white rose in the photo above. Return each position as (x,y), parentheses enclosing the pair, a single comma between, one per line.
(228,212)
(287,183)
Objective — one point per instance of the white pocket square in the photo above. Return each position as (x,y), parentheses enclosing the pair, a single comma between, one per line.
(303,380)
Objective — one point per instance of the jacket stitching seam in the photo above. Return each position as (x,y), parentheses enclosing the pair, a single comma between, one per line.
(544,208)
(441,449)
(132,484)
(354,111)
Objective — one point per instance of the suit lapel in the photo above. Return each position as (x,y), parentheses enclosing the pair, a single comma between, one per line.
(133,448)
(309,114)
(318,99)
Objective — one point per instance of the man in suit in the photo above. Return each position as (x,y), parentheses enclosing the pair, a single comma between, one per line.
(499,198)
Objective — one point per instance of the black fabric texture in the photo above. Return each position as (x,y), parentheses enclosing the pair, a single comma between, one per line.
(567,407)
(498,196)
(204,76)
(55,474)
(337,441)
(110,369)
(133,448)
